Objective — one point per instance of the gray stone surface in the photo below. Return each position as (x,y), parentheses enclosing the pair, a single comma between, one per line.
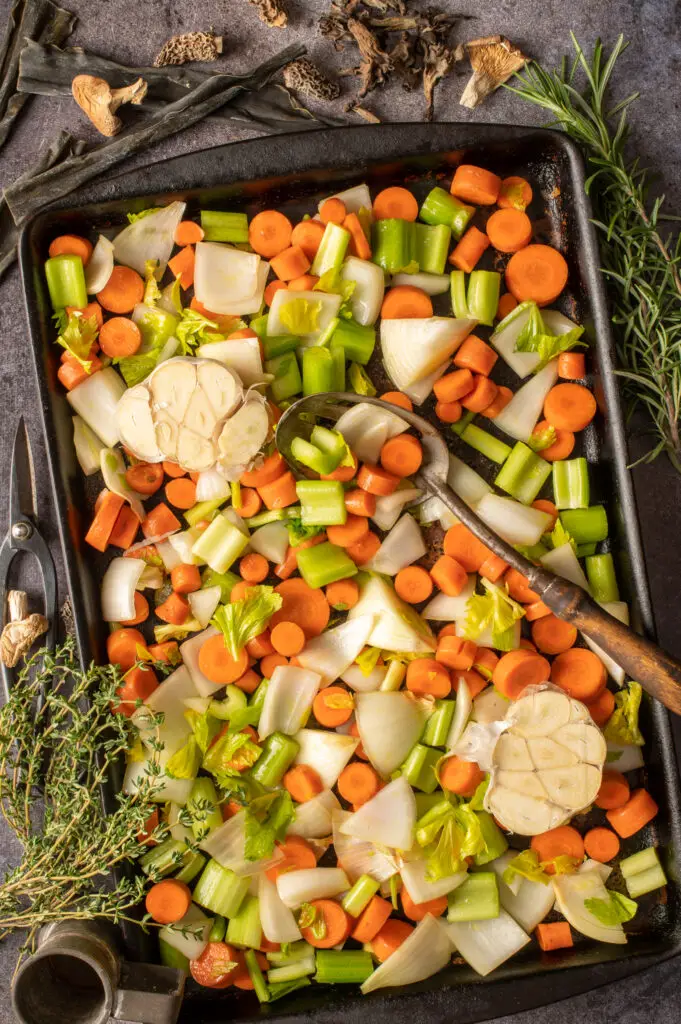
(132,32)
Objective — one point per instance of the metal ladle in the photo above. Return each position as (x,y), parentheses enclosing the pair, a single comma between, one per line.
(657,671)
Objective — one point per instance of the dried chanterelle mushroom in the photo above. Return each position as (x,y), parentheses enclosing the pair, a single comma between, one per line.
(99,101)
(189,46)
(493,59)
(22,630)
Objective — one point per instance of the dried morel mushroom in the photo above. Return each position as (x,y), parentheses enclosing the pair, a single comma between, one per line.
(22,630)
(272,12)
(100,102)
(304,77)
(190,46)
(493,59)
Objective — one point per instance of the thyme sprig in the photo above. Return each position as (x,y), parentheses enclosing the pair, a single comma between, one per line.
(641,261)
(55,754)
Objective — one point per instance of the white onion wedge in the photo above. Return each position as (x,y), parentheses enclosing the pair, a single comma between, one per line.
(564,562)
(414,875)
(620,611)
(389,725)
(314,818)
(419,391)
(118,588)
(489,706)
(100,265)
(212,486)
(465,482)
(95,400)
(150,238)
(571,893)
(190,656)
(520,416)
(225,277)
(515,523)
(168,555)
(277,920)
(358,857)
(422,954)
(367,297)
(241,355)
(288,700)
(334,651)
(307,884)
(354,199)
(462,712)
(227,845)
(325,751)
(328,309)
(487,944)
(165,788)
(413,349)
(446,607)
(189,935)
(113,472)
(88,446)
(357,421)
(387,819)
(167,700)
(397,627)
(271,541)
(400,548)
(506,335)
(203,604)
(361,683)
(530,902)
(625,759)
(389,506)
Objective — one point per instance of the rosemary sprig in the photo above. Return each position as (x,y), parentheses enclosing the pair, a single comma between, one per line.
(640,260)
(54,758)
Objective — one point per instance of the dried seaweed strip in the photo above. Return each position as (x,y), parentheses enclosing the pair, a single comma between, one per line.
(48,71)
(29,19)
(24,199)
(63,146)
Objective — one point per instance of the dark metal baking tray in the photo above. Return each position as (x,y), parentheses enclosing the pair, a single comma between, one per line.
(292,172)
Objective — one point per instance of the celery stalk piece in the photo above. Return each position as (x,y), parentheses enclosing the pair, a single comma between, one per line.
(338,357)
(220,890)
(485,443)
(425,802)
(217,932)
(419,767)
(644,860)
(584,550)
(244,926)
(203,510)
(646,881)
(343,966)
(524,474)
(161,860)
(309,455)
(193,867)
(329,441)
(273,515)
(291,972)
(225,580)
(495,840)
(432,246)
(356,341)
(66,281)
(220,226)
(203,807)
(279,345)
(586,525)
(171,957)
(296,952)
(437,727)
(257,699)
(278,754)
(457,287)
(332,249)
(600,571)
(322,502)
(393,246)
(325,563)
(482,297)
(156,326)
(357,898)
(235,700)
(259,984)
(459,428)
(287,380)
(259,325)
(571,483)
(220,544)
(394,677)
(440,207)
(476,899)
(318,370)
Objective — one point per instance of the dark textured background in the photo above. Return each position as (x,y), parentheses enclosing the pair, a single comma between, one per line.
(132,31)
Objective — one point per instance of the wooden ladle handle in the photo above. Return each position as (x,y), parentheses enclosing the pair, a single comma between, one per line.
(642,660)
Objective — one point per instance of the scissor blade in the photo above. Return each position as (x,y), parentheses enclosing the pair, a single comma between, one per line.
(22,495)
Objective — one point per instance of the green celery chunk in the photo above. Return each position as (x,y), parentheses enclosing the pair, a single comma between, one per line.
(440,207)
(419,767)
(220,226)
(286,372)
(485,443)
(482,297)
(325,563)
(318,370)
(432,246)
(203,807)
(332,249)
(225,580)
(495,840)
(457,288)
(244,927)
(586,525)
(278,754)
(66,281)
(164,859)
(220,890)
(203,510)
(571,483)
(309,455)
(171,957)
(523,474)
(356,341)
(343,966)
(220,544)
(476,899)
(362,892)
(191,869)
(394,245)
(322,502)
(437,727)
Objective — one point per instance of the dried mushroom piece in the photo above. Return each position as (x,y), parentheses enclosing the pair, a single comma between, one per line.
(22,630)
(99,101)
(438,63)
(493,59)
(304,77)
(272,12)
(189,46)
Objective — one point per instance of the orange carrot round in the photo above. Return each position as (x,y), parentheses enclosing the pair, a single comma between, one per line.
(516,670)
(469,249)
(485,662)
(181,492)
(398,399)
(371,920)
(498,403)
(290,264)
(569,407)
(475,185)
(552,635)
(138,684)
(515,193)
(175,610)
(297,855)
(564,841)
(270,662)
(239,591)
(359,243)
(365,549)
(304,283)
(141,611)
(395,203)
(122,645)
(544,505)
(519,587)
(248,682)
(413,584)
(601,844)
(474,681)
(280,492)
(347,534)
(71,245)
(481,397)
(464,546)
(449,575)
(217,664)
(460,777)
(493,568)
(337,925)
(251,503)
(376,480)
(602,708)
(509,230)
(269,233)
(639,810)
(119,337)
(402,455)
(288,638)
(261,645)
(449,412)
(215,968)
(185,579)
(537,273)
(254,568)
(303,783)
(571,365)
(360,503)
(358,783)
(455,652)
(172,469)
(476,355)
(507,304)
(188,232)
(614,791)
(342,595)
(580,673)
(92,310)
(144,477)
(427,677)
(303,605)
(333,706)
(168,901)
(272,289)
(554,935)
(308,235)
(536,610)
(332,211)
(405,302)
(343,473)
(417,911)
(390,937)
(269,470)
(122,292)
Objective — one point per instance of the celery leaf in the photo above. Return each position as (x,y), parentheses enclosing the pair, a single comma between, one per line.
(526,864)
(267,819)
(243,620)
(360,382)
(615,910)
(622,727)
(300,316)
(185,763)
(494,610)
(78,337)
